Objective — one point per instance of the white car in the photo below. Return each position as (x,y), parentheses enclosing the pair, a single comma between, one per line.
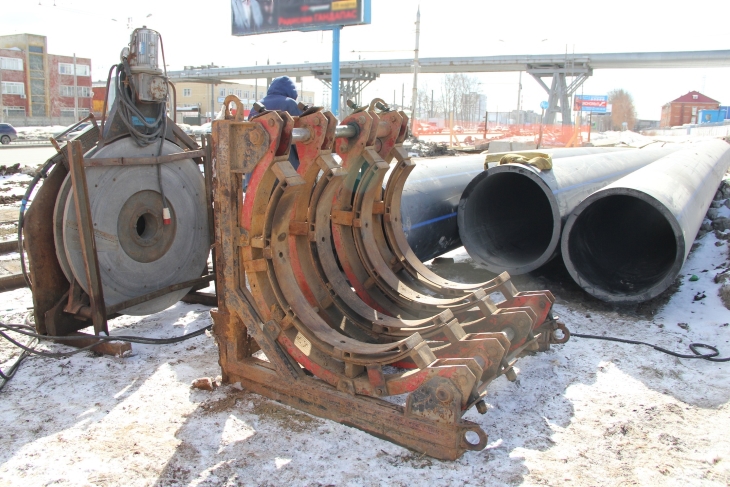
(202,129)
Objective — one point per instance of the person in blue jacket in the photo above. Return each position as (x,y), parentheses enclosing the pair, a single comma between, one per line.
(281,95)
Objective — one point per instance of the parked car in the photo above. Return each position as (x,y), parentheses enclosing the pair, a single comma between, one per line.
(458,129)
(74,133)
(427,128)
(202,129)
(7,133)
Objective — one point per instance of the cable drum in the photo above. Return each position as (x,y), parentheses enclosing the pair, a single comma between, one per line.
(137,253)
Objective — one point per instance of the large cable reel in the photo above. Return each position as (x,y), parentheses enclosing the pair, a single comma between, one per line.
(137,253)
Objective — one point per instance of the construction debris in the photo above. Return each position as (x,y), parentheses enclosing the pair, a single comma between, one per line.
(8,170)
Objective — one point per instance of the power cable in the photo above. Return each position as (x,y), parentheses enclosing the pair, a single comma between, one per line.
(29,348)
(711,356)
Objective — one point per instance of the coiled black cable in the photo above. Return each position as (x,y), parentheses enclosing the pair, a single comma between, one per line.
(711,356)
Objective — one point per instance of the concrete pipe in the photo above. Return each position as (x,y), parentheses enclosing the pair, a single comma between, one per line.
(432,192)
(628,241)
(510,217)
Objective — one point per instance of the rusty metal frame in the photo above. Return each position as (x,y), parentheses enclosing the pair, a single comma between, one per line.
(281,290)
(61,308)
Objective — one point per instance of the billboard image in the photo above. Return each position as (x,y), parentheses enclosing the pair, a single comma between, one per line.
(250,17)
(590,103)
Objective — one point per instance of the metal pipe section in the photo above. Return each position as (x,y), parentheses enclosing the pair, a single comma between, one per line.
(628,241)
(341,131)
(510,217)
(432,192)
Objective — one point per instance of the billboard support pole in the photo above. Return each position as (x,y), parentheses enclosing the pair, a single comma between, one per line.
(590,125)
(336,70)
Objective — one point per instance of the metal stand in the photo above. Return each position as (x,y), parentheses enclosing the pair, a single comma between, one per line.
(62,308)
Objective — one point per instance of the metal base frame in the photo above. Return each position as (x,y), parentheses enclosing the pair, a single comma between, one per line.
(60,307)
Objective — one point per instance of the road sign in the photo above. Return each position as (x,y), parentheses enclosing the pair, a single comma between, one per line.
(544,105)
(590,103)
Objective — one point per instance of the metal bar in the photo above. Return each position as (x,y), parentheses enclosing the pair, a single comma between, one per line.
(13,281)
(135,161)
(86,236)
(207,143)
(115,308)
(628,241)
(345,131)
(341,131)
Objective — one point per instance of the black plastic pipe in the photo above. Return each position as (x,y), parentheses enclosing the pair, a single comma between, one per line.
(628,241)
(510,217)
(432,192)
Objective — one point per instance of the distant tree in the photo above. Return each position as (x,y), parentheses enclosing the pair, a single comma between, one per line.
(622,108)
(458,92)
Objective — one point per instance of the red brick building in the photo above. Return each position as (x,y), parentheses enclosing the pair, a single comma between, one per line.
(685,109)
(37,87)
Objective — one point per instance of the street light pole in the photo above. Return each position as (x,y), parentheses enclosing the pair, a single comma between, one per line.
(76,94)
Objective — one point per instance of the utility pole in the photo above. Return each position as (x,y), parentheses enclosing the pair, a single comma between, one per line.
(2,108)
(76,94)
(519,99)
(431,112)
(415,72)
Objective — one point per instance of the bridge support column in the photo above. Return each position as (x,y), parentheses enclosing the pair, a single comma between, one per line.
(352,82)
(560,92)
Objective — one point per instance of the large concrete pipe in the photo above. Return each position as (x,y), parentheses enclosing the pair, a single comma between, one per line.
(431,198)
(510,217)
(628,241)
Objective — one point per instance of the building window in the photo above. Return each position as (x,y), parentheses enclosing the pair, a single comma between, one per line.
(222,92)
(187,91)
(12,64)
(230,92)
(245,94)
(68,68)
(69,112)
(694,110)
(38,49)
(14,111)
(239,93)
(13,88)
(83,91)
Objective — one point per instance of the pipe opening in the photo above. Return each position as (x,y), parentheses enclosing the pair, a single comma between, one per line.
(508,220)
(622,244)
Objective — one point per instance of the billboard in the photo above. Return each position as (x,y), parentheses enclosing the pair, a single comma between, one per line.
(590,103)
(249,17)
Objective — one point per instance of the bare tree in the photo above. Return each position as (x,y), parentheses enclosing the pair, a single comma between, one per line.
(459,96)
(424,103)
(622,108)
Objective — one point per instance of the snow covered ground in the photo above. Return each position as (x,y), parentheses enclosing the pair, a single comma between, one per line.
(584,413)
